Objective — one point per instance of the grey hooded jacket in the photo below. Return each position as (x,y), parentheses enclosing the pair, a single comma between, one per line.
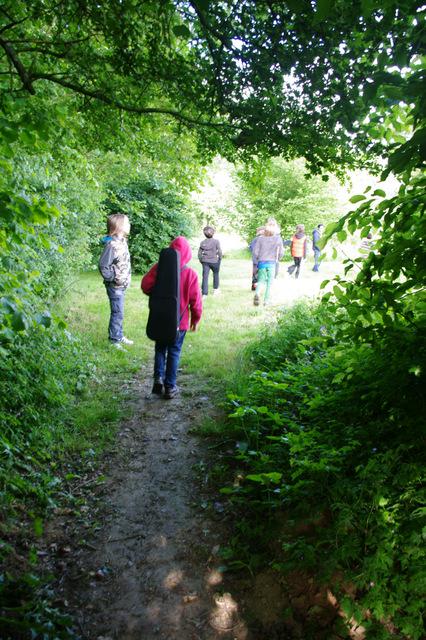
(114,263)
(268,249)
(210,251)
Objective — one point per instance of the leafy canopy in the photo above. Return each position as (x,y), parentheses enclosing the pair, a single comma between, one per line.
(270,77)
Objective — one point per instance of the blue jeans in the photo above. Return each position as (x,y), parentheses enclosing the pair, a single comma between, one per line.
(317,253)
(167,359)
(116,303)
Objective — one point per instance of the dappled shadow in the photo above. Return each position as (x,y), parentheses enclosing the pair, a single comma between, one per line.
(158,542)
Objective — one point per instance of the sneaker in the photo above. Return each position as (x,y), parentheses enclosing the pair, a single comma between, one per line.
(256,300)
(117,345)
(216,292)
(170,392)
(125,340)
(157,387)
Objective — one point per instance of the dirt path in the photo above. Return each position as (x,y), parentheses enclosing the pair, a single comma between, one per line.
(153,572)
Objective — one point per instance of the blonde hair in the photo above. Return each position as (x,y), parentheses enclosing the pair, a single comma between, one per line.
(275,223)
(118,224)
(300,228)
(270,228)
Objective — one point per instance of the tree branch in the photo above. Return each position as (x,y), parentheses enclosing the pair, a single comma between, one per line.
(12,24)
(204,22)
(44,52)
(98,95)
(50,43)
(25,78)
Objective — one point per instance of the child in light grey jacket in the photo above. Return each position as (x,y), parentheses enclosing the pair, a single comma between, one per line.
(114,265)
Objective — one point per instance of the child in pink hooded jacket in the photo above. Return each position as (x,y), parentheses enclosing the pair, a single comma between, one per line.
(166,360)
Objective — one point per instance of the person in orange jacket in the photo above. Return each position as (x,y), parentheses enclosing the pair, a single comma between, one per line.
(298,249)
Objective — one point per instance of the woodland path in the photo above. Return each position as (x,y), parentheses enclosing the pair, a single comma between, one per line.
(151,569)
(153,572)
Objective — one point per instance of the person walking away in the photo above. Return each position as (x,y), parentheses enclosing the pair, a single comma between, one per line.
(166,359)
(115,268)
(316,236)
(259,232)
(297,249)
(210,256)
(277,233)
(268,250)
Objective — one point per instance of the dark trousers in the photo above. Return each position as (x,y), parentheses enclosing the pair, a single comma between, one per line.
(214,266)
(116,303)
(295,266)
(166,360)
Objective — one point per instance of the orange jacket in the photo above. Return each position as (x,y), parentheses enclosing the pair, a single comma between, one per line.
(298,246)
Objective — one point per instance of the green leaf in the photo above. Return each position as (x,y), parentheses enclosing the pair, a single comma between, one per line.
(38,527)
(357,198)
(265,478)
(19,321)
(379,192)
(323,9)
(181,31)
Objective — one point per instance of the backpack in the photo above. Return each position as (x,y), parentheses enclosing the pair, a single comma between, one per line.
(164,300)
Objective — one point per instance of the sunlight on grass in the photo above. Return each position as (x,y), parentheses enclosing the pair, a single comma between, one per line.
(212,354)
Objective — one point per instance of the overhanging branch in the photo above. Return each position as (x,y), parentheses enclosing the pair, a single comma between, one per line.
(22,72)
(98,95)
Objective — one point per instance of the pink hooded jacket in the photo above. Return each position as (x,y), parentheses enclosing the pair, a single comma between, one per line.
(190,295)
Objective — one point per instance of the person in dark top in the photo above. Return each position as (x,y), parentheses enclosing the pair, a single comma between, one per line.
(210,255)
(259,232)
(316,235)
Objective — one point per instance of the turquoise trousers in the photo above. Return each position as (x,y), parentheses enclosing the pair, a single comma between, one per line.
(265,277)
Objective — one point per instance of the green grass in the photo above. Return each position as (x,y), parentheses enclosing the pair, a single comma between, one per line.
(212,355)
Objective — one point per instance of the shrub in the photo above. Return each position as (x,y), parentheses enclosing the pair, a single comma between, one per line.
(157,214)
(329,436)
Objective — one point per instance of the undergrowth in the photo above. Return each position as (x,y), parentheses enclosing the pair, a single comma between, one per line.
(328,464)
(44,375)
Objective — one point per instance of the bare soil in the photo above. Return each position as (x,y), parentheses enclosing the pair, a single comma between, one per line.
(150,568)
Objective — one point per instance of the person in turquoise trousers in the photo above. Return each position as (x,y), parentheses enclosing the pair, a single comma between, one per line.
(267,252)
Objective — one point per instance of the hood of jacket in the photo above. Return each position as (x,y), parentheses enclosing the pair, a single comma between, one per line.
(181,244)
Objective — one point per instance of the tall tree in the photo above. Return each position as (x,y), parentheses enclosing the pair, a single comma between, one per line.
(290,78)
